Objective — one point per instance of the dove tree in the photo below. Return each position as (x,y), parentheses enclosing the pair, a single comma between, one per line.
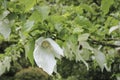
(47,31)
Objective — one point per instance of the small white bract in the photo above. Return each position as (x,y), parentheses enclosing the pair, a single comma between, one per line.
(45,52)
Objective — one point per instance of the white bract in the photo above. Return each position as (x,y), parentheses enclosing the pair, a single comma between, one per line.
(113,28)
(5,65)
(45,52)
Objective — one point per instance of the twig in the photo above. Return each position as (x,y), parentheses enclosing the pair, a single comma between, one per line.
(104,43)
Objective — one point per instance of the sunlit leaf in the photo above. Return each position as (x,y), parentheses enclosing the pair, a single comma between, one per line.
(5,13)
(82,21)
(40,14)
(80,58)
(85,45)
(83,37)
(44,11)
(100,58)
(77,30)
(5,29)
(28,4)
(27,26)
(5,65)
(105,5)
(29,48)
(87,7)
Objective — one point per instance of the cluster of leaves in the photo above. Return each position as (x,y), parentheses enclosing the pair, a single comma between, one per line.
(86,30)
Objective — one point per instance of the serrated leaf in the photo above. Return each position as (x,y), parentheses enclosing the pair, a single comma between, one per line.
(2,69)
(85,45)
(36,16)
(28,4)
(5,65)
(87,7)
(82,21)
(45,52)
(29,48)
(4,14)
(77,30)
(83,37)
(44,11)
(105,5)
(5,29)
(27,26)
(55,19)
(80,58)
(40,14)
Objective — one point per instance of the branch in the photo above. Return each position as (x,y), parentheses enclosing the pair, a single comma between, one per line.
(104,43)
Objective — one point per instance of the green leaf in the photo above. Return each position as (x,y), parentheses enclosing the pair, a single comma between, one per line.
(29,47)
(105,5)
(4,14)
(5,65)
(5,29)
(27,26)
(44,11)
(85,45)
(80,58)
(87,7)
(36,16)
(77,30)
(28,4)
(40,14)
(83,37)
(82,21)
(55,19)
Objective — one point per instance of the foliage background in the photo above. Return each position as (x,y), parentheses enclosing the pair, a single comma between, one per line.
(87,30)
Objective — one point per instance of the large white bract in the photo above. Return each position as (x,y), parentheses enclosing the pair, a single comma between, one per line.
(45,52)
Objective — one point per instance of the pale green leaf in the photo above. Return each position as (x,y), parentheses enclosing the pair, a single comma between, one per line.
(85,45)
(44,11)
(83,37)
(2,69)
(29,4)
(40,14)
(88,8)
(56,19)
(100,58)
(83,21)
(29,48)
(36,16)
(80,58)
(4,14)
(118,76)
(117,43)
(28,25)
(105,5)
(5,29)
(5,65)
(77,30)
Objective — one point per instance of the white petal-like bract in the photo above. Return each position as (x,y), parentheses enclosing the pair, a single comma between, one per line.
(45,52)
